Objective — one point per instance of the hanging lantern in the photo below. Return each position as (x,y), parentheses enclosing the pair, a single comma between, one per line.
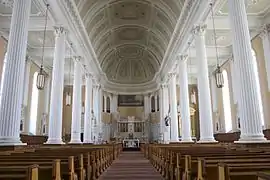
(219,78)
(218,74)
(68,99)
(41,75)
(41,79)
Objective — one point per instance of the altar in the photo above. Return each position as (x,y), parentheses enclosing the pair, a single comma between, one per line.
(131,143)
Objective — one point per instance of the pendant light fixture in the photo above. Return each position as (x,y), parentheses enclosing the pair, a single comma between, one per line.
(192,92)
(68,95)
(218,74)
(41,77)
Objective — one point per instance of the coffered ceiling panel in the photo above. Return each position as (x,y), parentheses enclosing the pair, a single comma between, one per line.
(130,37)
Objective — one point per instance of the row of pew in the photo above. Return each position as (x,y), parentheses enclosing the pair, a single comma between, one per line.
(56,162)
(210,161)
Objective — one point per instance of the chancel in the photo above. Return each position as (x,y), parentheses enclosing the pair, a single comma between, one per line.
(182,85)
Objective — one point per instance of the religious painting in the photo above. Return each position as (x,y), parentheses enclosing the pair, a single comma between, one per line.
(130,100)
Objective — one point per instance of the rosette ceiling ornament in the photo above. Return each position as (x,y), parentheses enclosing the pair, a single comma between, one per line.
(130,37)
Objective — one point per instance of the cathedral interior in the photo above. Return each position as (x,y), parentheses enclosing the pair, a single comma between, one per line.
(184,84)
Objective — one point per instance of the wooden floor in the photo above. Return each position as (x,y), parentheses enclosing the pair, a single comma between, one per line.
(131,166)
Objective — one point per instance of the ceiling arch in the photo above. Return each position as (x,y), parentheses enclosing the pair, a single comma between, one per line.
(142,28)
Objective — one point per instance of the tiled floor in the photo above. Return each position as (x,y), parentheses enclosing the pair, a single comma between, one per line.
(131,166)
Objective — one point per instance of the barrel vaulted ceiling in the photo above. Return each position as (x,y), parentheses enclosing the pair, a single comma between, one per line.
(130,37)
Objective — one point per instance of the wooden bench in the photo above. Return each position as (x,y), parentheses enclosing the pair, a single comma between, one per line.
(58,162)
(202,161)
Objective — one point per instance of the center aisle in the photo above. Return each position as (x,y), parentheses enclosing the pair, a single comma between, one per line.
(131,165)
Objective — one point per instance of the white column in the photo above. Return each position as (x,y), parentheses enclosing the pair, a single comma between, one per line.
(184,100)
(156,106)
(251,125)
(206,125)
(161,118)
(87,138)
(56,105)
(12,96)
(214,94)
(25,96)
(44,122)
(165,111)
(265,36)
(100,95)
(146,105)
(111,103)
(76,103)
(173,107)
(105,103)
(26,81)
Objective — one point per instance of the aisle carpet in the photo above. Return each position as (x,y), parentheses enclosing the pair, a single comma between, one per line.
(131,165)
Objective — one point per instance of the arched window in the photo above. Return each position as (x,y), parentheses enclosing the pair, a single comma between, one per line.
(34,105)
(226,103)
(258,86)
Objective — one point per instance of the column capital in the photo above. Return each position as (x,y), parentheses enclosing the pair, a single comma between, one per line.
(265,30)
(59,31)
(200,30)
(172,75)
(7,3)
(88,75)
(164,85)
(183,58)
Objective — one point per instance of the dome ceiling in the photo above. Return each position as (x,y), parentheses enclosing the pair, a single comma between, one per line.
(130,37)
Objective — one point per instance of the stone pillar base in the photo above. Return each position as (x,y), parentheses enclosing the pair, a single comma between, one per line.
(10,141)
(188,141)
(75,141)
(205,141)
(252,139)
(54,141)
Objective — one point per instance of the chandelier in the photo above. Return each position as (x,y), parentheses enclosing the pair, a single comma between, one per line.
(41,77)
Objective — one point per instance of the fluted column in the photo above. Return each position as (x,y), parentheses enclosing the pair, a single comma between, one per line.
(156,102)
(105,103)
(76,103)
(55,117)
(184,100)
(24,112)
(161,119)
(146,104)
(206,125)
(173,107)
(12,96)
(88,108)
(44,121)
(251,125)
(165,112)
(265,36)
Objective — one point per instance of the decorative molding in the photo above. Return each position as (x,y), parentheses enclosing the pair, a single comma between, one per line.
(200,30)
(7,3)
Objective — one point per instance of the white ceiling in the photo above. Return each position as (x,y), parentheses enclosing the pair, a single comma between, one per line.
(130,37)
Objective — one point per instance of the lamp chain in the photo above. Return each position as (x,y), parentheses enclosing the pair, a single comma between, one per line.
(215,35)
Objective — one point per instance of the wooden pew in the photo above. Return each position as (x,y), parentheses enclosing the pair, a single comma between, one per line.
(62,161)
(174,162)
